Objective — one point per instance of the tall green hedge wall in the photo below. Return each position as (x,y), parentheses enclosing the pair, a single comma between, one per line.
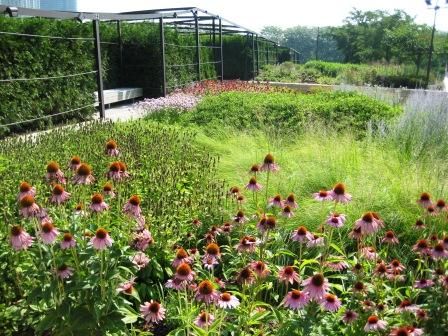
(136,65)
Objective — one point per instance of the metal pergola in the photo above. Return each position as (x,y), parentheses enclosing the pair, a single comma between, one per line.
(184,19)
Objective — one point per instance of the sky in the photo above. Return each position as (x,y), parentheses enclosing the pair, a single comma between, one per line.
(283,13)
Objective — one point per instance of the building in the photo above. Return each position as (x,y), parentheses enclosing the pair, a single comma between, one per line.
(61,5)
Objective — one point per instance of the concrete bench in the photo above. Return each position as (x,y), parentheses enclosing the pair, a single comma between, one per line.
(120,94)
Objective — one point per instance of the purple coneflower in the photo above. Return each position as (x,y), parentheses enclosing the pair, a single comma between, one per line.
(142,239)
(247,244)
(422,247)
(406,331)
(374,324)
(260,268)
(212,251)
(396,265)
(356,233)
(349,316)
(127,287)
(140,260)
(338,194)
(424,200)
(423,283)
(253,185)
(431,210)
(25,189)
(390,238)
(336,220)
(439,251)
(291,201)
(204,320)
(226,228)
(288,274)
(97,204)
(337,265)
(132,208)
(111,148)
(152,312)
(315,241)
(206,292)
(302,235)
(67,241)
(296,299)
(422,315)
(59,195)
(176,284)
(407,306)
(228,301)
(316,286)
(28,207)
(115,171)
(367,223)
(330,302)
(369,253)
(20,239)
(246,276)
(184,273)
(108,190)
(75,162)
(276,201)
(83,175)
(54,173)
(322,195)
(48,232)
(234,191)
(64,271)
(419,224)
(287,212)
(441,206)
(101,240)
(181,257)
(269,164)
(254,169)
(240,218)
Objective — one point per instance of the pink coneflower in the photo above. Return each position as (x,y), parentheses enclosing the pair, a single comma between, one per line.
(152,312)
(83,175)
(441,206)
(67,241)
(184,273)
(315,241)
(101,240)
(390,238)
(115,172)
(261,225)
(176,284)
(142,239)
(401,331)
(132,207)
(288,274)
(296,299)
(196,222)
(48,232)
(240,199)
(220,283)
(269,164)
(336,220)
(108,190)
(287,212)
(337,265)
(330,302)
(380,270)
(291,201)
(395,265)
(226,228)
(431,210)
(59,195)
(75,162)
(54,173)
(439,251)
(356,233)
(369,253)
(28,207)
(79,211)
(316,286)
(260,268)
(424,200)
(140,260)
(423,283)
(422,247)
(302,235)
(374,324)
(322,195)
(228,301)
(396,276)
(26,190)
(247,244)
(358,268)
(367,223)
(64,271)
(245,276)
(422,315)
(406,306)
(127,287)
(276,201)
(204,320)
(181,257)
(338,194)
(206,292)
(359,287)
(20,239)
(212,251)
(368,305)
(419,224)
(111,148)
(240,218)
(234,191)
(349,316)
(97,204)
(253,185)
(254,169)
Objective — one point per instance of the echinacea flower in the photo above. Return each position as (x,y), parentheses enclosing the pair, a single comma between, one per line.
(349,316)
(184,273)
(260,268)
(132,207)
(140,260)
(204,320)
(290,201)
(276,201)
(254,169)
(108,190)
(369,253)
(48,232)
(374,324)
(246,276)
(269,164)
(287,212)
(407,306)
(322,195)
(83,175)
(330,302)
(316,286)
(380,270)
(419,224)
(206,292)
(302,235)
(181,257)
(424,200)
(296,299)
(142,239)
(59,195)
(421,314)
(20,239)
(152,311)
(28,207)
(441,206)
(338,194)
(97,203)
(228,301)
(395,265)
(212,251)
(115,171)
(226,228)
(64,271)
(101,240)
(423,283)
(25,189)
(422,247)
(288,274)
(390,238)
(127,287)
(247,244)
(439,251)
(79,211)
(315,241)
(253,185)
(67,241)
(337,265)
(367,223)
(336,220)
(359,287)
(356,233)
(431,210)
(406,331)
(176,284)
(54,173)
(75,162)
(234,191)
(111,148)
(240,218)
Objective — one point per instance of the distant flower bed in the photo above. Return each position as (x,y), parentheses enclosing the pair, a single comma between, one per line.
(177,100)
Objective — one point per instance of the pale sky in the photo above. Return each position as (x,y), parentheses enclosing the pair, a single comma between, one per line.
(284,13)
